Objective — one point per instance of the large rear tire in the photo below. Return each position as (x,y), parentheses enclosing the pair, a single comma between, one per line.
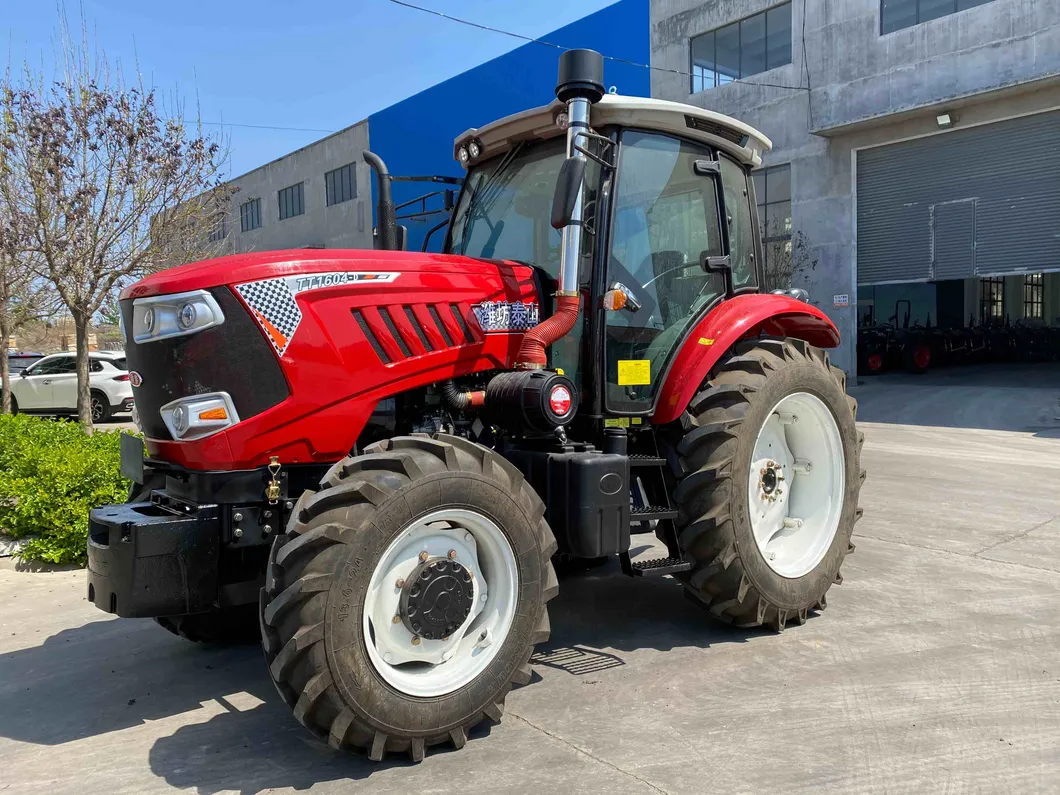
(336,611)
(767,527)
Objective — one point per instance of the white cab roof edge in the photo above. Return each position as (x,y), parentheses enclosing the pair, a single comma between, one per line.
(652,114)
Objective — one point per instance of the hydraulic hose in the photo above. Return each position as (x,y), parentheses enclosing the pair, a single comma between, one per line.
(461,400)
(531,355)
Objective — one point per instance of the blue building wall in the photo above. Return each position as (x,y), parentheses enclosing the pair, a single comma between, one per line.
(415,136)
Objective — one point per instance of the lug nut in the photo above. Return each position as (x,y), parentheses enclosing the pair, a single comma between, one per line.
(396,619)
(415,640)
(238,532)
(452,554)
(267,514)
(237,516)
(400,583)
(423,556)
(289,505)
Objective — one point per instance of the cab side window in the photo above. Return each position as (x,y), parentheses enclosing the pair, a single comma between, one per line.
(738,218)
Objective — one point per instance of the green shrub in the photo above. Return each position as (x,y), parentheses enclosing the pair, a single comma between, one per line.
(51,474)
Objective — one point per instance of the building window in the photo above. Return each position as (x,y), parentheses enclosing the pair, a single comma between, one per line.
(773,194)
(341,184)
(992,301)
(219,231)
(292,201)
(250,215)
(898,14)
(752,45)
(1033,295)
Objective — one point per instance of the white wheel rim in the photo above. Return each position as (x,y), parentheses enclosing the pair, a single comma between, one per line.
(796,484)
(436,667)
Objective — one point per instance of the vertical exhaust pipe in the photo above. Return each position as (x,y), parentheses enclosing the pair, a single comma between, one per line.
(386,215)
(580,85)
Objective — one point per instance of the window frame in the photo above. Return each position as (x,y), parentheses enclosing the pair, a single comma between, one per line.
(987,301)
(1034,296)
(250,210)
(956,10)
(332,182)
(293,196)
(764,203)
(739,24)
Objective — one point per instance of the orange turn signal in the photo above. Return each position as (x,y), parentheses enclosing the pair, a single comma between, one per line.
(218,413)
(615,300)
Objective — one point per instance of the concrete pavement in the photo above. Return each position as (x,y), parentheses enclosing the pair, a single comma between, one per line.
(936,666)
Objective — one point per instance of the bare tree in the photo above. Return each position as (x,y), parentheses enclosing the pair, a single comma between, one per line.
(111,180)
(24,295)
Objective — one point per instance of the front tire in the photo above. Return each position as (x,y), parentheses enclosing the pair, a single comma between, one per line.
(768,528)
(335,615)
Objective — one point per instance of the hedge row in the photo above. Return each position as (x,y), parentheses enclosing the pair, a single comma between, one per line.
(51,474)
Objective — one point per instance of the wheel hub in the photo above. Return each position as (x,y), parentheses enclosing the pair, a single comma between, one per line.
(437,597)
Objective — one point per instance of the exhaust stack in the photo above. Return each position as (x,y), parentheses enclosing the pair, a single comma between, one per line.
(580,84)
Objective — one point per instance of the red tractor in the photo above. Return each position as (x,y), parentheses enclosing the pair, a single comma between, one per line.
(380,454)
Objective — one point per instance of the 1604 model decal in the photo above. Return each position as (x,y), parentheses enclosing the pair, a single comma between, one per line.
(273,304)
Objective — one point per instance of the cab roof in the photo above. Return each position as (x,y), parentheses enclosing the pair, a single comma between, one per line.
(740,140)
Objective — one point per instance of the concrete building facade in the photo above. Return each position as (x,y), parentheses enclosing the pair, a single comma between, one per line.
(862,75)
(288,204)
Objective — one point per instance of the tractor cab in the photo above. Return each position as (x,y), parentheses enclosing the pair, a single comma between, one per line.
(650,200)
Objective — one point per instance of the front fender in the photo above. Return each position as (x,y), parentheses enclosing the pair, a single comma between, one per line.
(732,320)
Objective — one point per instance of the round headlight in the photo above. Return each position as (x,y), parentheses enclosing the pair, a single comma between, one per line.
(474,149)
(180,419)
(187,316)
(462,154)
(149,319)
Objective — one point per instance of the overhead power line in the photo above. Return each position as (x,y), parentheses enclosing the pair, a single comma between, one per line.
(267,127)
(613,59)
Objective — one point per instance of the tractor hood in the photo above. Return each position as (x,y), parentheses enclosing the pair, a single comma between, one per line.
(253,267)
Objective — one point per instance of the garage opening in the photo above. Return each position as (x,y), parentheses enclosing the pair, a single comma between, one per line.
(958,249)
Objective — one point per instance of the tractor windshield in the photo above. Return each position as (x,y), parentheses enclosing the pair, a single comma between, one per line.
(505,212)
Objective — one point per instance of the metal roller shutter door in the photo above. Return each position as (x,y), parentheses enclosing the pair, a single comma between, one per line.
(974,202)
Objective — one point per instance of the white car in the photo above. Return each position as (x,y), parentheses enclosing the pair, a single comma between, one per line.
(50,385)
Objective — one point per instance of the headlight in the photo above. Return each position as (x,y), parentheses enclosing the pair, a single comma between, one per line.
(197,416)
(164,316)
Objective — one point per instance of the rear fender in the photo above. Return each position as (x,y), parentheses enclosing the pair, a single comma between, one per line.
(729,322)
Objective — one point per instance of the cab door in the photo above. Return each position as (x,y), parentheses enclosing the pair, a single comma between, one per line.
(666,218)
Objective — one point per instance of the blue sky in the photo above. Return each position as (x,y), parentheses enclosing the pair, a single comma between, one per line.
(320,64)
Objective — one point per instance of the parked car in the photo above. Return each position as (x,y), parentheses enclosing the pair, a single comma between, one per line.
(17,361)
(49,386)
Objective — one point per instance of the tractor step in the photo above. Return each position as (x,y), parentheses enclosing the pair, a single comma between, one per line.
(641,460)
(648,513)
(653,568)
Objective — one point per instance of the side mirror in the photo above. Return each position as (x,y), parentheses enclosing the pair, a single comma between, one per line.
(568,183)
(22,373)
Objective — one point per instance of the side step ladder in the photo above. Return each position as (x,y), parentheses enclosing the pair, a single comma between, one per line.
(650,469)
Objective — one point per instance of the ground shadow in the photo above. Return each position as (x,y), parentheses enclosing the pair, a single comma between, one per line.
(115,674)
(998,397)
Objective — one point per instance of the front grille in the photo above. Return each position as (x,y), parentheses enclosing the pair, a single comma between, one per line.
(233,357)
(402,331)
